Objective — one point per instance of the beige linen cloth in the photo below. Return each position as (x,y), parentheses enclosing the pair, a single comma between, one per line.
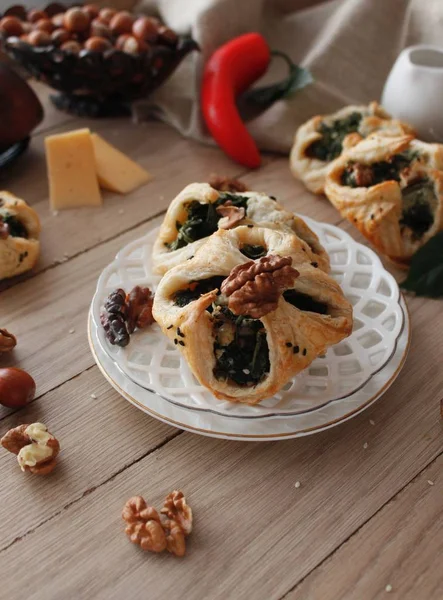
(349,46)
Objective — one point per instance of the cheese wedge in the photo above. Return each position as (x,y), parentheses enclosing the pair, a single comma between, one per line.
(115,171)
(71,170)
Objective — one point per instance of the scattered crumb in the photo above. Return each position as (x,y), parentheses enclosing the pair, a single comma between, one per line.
(388,588)
(430,482)
(72,331)
(121,211)
(371,422)
(54,213)
(297,484)
(365,445)
(93,396)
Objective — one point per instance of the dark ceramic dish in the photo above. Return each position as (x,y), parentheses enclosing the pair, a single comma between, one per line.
(92,83)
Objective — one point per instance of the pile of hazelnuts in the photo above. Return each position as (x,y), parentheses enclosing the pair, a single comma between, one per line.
(89,28)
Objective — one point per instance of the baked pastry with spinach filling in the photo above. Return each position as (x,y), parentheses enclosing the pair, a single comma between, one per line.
(200,210)
(248,326)
(19,236)
(322,139)
(392,190)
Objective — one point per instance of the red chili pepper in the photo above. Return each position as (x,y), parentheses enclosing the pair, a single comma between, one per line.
(230,71)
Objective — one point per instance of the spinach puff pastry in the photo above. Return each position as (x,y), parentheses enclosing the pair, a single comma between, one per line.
(323,138)
(248,326)
(392,190)
(199,211)
(19,233)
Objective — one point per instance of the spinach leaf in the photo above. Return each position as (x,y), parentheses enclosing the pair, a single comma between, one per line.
(245,360)
(197,289)
(329,146)
(202,219)
(425,276)
(418,200)
(252,251)
(305,302)
(15,227)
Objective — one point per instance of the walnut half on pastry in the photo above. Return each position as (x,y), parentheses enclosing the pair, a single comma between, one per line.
(322,139)
(392,190)
(19,236)
(250,311)
(200,210)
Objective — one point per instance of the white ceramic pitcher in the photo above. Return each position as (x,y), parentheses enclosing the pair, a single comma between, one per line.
(413,91)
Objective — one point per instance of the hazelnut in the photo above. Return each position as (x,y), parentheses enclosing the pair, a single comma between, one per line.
(167,36)
(106,14)
(133,46)
(17,387)
(39,38)
(60,36)
(11,26)
(121,23)
(27,27)
(99,29)
(71,47)
(97,44)
(121,41)
(58,20)
(44,25)
(35,15)
(92,10)
(75,19)
(145,29)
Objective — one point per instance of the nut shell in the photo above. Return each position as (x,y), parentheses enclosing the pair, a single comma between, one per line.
(71,47)
(39,38)
(100,29)
(106,15)
(17,387)
(11,26)
(36,14)
(92,10)
(44,25)
(97,44)
(121,23)
(145,29)
(76,20)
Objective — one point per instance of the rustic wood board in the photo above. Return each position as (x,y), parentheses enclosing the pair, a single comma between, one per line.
(362,519)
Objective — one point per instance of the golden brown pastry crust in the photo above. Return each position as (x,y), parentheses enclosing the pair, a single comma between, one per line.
(17,254)
(312,171)
(311,332)
(261,210)
(376,211)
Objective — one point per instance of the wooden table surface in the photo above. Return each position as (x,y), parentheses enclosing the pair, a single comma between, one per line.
(367,519)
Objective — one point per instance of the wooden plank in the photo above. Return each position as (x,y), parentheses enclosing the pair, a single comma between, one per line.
(71,232)
(98,436)
(259,534)
(400,548)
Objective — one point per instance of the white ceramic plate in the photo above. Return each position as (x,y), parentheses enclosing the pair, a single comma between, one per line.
(154,364)
(259,429)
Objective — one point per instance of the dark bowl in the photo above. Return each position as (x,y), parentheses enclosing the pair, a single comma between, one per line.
(92,83)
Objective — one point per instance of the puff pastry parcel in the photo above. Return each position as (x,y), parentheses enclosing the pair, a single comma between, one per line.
(392,190)
(322,139)
(236,355)
(19,236)
(199,210)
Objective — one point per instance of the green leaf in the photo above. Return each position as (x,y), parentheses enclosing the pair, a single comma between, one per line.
(257,100)
(425,276)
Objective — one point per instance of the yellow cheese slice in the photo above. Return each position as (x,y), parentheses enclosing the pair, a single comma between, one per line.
(115,171)
(71,170)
